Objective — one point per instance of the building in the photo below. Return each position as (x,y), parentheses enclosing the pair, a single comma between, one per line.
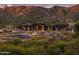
(44,27)
(38,26)
(60,27)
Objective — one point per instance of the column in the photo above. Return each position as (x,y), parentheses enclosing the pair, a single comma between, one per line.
(28,28)
(37,27)
(42,27)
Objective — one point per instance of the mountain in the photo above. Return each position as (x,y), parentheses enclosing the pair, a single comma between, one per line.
(16,10)
(74,9)
(25,14)
(19,10)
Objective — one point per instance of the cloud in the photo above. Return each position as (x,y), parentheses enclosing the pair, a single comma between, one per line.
(41,5)
(64,5)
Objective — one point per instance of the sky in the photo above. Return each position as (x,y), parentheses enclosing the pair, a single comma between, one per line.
(42,5)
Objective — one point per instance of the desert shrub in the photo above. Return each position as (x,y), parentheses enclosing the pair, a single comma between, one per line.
(56,48)
(30,43)
(12,49)
(72,48)
(15,41)
(76,28)
(36,50)
(63,47)
(41,47)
